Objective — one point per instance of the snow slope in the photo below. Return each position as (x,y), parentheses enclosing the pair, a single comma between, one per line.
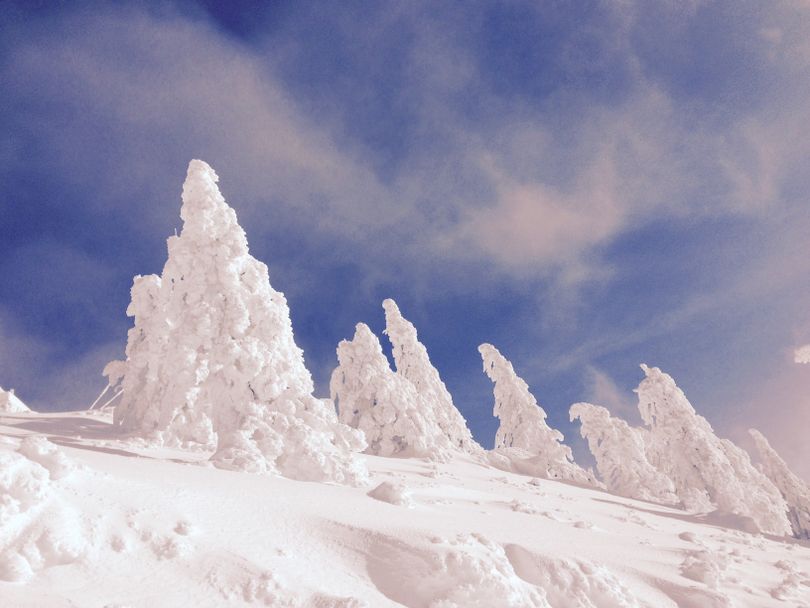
(90,519)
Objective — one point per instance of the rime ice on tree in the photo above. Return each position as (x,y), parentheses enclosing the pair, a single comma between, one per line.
(523,435)
(708,472)
(10,403)
(212,360)
(794,490)
(413,364)
(620,456)
(390,411)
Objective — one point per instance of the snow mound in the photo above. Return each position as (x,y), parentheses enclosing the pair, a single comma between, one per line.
(620,456)
(705,567)
(38,529)
(795,491)
(524,442)
(413,364)
(394,416)
(707,472)
(393,493)
(211,359)
(38,449)
(10,403)
(467,572)
(794,583)
(570,583)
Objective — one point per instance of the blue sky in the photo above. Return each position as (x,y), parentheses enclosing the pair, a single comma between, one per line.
(586,185)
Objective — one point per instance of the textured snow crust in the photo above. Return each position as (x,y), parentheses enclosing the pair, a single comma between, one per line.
(524,442)
(212,362)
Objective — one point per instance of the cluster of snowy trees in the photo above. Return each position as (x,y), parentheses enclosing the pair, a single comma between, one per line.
(211,361)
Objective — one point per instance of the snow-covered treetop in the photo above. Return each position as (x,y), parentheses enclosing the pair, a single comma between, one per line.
(708,472)
(413,364)
(523,429)
(522,420)
(620,455)
(10,403)
(394,417)
(212,357)
(795,490)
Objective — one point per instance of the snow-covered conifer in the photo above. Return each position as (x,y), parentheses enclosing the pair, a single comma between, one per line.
(707,472)
(620,456)
(523,432)
(10,403)
(212,359)
(390,411)
(794,490)
(413,364)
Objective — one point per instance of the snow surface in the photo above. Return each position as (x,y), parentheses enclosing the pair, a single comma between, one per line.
(524,442)
(133,525)
(10,403)
(212,362)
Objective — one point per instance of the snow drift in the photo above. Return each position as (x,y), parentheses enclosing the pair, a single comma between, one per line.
(211,360)
(524,442)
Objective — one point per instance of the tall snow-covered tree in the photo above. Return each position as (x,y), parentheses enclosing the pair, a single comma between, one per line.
(795,491)
(370,396)
(212,359)
(708,472)
(10,403)
(413,364)
(523,435)
(620,456)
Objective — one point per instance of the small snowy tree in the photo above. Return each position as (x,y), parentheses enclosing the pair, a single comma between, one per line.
(370,396)
(707,472)
(212,360)
(620,456)
(413,364)
(523,435)
(794,490)
(10,403)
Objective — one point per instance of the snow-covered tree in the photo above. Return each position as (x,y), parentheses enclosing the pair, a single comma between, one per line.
(620,456)
(10,403)
(370,396)
(708,472)
(212,360)
(523,435)
(794,490)
(413,364)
